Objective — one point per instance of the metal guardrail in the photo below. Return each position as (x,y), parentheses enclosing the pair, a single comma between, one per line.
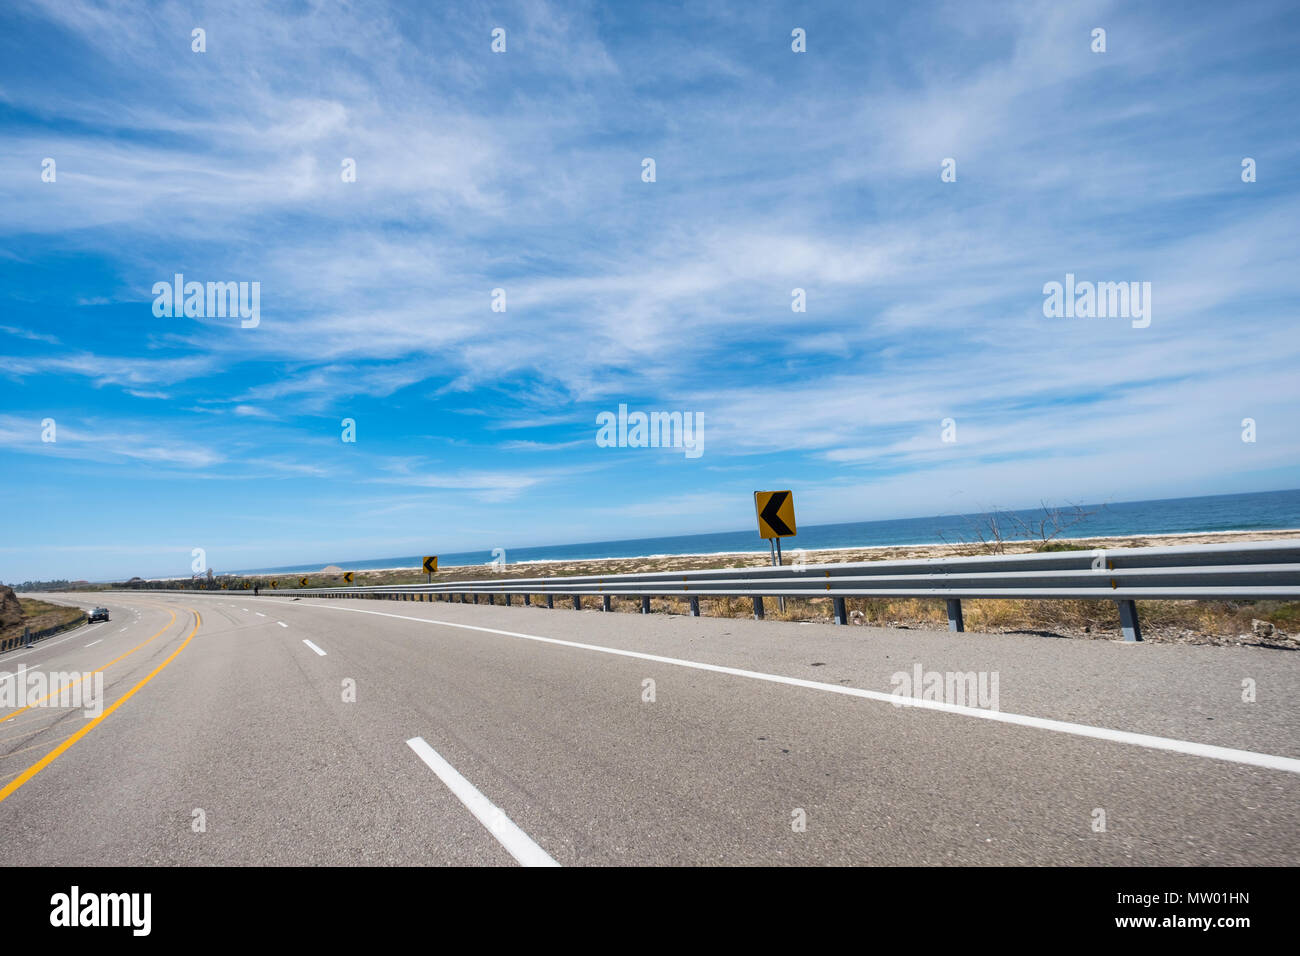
(30,637)
(1250,571)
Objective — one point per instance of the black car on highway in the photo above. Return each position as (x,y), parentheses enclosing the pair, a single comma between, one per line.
(99,614)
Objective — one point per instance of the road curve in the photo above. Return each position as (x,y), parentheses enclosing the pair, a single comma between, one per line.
(399,733)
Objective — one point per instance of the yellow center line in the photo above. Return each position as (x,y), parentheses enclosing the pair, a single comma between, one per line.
(55,693)
(50,757)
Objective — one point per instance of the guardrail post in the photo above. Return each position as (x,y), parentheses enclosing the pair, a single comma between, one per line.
(1128,620)
(577,602)
(492,599)
(528,600)
(840,616)
(604,602)
(695,606)
(645,604)
(507,600)
(550,600)
(758,609)
(27,637)
(955,622)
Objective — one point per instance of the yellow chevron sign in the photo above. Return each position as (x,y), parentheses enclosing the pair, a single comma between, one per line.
(775,513)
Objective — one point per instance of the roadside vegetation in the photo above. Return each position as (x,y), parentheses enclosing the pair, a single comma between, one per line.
(39,615)
(1268,623)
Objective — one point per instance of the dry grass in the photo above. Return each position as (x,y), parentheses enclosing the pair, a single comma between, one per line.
(1179,621)
(39,615)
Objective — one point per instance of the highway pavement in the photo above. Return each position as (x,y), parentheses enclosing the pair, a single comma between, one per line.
(244,730)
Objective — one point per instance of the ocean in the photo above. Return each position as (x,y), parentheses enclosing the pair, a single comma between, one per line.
(1246,512)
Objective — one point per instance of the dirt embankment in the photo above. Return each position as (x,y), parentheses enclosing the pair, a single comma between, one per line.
(11,611)
(17,614)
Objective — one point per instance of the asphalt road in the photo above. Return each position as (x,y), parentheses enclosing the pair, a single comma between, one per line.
(484,735)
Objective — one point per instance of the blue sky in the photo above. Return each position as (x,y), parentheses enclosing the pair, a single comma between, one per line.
(522,170)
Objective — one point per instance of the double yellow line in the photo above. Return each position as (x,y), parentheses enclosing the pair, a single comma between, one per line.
(54,754)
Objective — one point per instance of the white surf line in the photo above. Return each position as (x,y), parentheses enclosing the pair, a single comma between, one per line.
(1210,751)
(313,647)
(93,643)
(517,843)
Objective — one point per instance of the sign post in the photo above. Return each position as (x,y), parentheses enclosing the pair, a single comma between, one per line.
(775,510)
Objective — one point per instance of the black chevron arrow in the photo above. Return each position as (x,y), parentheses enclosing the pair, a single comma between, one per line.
(769,513)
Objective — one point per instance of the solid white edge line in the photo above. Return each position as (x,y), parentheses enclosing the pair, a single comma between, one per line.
(313,647)
(1209,751)
(517,843)
(93,643)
